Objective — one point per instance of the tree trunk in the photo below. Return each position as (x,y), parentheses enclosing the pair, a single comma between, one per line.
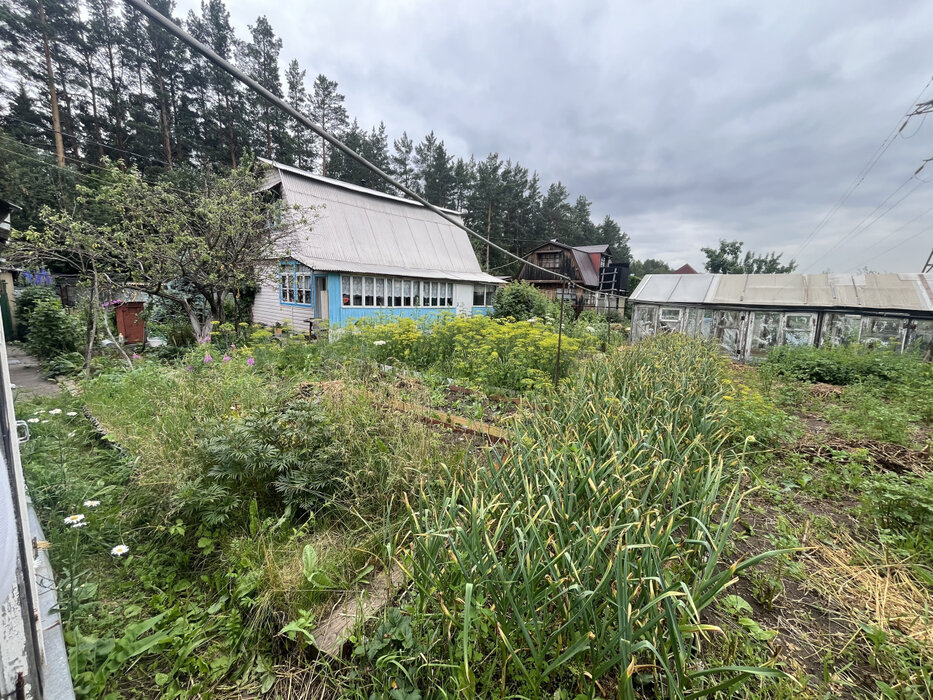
(230,136)
(90,82)
(200,328)
(53,92)
(94,302)
(120,136)
(166,133)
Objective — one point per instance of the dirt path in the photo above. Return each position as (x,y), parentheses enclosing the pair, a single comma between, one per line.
(25,374)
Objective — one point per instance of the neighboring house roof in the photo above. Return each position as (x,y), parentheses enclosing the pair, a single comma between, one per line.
(909,291)
(356,229)
(685,270)
(589,273)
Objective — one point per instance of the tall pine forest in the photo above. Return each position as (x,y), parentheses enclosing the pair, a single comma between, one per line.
(115,86)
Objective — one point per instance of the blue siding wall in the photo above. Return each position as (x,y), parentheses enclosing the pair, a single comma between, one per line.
(339,314)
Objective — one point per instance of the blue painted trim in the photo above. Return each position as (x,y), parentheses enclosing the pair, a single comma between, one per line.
(294,265)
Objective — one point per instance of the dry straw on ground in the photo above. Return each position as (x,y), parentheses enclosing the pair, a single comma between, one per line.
(876,592)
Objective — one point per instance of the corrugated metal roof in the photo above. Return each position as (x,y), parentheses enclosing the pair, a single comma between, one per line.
(600,248)
(588,273)
(359,230)
(894,292)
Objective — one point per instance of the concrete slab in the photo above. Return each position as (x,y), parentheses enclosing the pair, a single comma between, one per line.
(26,374)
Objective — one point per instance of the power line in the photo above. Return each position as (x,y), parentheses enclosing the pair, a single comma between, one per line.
(90,140)
(901,228)
(860,177)
(861,227)
(222,63)
(906,240)
(78,173)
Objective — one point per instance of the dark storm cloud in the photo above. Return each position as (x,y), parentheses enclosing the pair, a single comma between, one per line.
(685,121)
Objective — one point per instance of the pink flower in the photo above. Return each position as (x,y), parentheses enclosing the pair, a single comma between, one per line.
(190,368)
(233,347)
(208,358)
(251,361)
(137,356)
(226,358)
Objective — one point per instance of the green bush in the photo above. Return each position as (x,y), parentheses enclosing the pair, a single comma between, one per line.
(840,365)
(26,301)
(279,454)
(53,331)
(521,301)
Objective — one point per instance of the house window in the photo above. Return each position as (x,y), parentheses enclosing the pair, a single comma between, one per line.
(303,287)
(287,285)
(483,294)
(551,261)
(294,284)
(379,292)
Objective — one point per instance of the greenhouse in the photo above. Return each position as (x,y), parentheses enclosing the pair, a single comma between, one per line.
(750,314)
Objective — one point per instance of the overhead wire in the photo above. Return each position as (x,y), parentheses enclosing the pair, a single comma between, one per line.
(906,240)
(302,119)
(899,229)
(861,227)
(862,174)
(87,139)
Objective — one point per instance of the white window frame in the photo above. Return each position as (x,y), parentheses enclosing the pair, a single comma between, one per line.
(418,293)
(295,284)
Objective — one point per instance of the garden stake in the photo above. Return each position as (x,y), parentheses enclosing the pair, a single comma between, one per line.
(560,331)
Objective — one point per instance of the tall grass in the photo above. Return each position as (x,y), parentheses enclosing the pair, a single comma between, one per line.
(582,558)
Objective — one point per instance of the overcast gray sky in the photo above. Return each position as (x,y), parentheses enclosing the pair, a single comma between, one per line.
(685,121)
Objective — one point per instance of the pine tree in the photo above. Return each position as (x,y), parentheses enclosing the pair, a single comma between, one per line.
(224,123)
(402,162)
(435,173)
(24,123)
(328,110)
(556,213)
(301,143)
(262,63)
(376,150)
(610,232)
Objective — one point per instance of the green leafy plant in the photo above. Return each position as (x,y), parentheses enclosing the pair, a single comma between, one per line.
(53,331)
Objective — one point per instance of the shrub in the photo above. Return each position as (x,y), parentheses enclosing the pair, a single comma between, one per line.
(840,365)
(279,453)
(53,331)
(26,301)
(521,301)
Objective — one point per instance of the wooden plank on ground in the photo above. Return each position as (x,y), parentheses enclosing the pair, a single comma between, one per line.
(465,425)
(332,636)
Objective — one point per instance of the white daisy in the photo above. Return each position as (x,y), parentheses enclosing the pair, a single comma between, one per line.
(33,420)
(379,342)
(72,519)
(71,413)
(71,434)
(91,504)
(119,550)
(79,525)
(44,421)
(36,413)
(55,411)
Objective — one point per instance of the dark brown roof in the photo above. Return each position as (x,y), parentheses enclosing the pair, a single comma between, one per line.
(685,270)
